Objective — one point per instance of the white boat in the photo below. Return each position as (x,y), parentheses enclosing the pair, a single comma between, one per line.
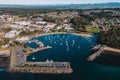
(29,41)
(78,47)
(55,42)
(67,49)
(47,60)
(33,58)
(66,41)
(66,44)
(51,61)
(49,38)
(60,43)
(73,41)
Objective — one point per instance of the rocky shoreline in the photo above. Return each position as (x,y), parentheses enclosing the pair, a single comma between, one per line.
(101,50)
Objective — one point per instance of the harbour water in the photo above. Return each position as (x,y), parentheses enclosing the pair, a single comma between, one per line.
(67,48)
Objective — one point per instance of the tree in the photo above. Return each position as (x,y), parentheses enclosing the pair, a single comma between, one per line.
(79,23)
(110,38)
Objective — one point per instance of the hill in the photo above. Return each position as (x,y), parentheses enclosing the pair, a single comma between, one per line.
(65,6)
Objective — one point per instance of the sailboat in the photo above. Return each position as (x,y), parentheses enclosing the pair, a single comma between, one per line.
(29,41)
(61,43)
(33,58)
(67,48)
(73,41)
(66,44)
(55,42)
(47,60)
(78,47)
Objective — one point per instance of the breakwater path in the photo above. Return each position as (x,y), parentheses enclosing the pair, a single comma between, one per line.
(101,51)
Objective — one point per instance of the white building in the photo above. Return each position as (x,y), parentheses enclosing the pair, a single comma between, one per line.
(22,23)
(16,26)
(41,22)
(22,39)
(12,34)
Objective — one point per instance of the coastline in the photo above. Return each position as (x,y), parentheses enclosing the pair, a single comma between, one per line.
(111,49)
(7,52)
(45,34)
(19,57)
(78,34)
(83,34)
(101,51)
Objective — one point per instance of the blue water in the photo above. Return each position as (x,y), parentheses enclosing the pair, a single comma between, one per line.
(65,47)
(71,48)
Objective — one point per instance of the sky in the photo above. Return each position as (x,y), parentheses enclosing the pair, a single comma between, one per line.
(28,2)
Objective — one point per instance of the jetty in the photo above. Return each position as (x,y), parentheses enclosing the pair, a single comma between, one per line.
(95,55)
(36,50)
(100,50)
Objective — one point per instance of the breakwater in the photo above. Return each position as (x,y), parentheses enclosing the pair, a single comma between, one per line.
(43,67)
(100,50)
(18,64)
(95,55)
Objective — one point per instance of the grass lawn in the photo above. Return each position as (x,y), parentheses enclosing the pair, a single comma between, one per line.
(92,29)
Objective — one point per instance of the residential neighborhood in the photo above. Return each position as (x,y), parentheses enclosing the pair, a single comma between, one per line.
(13,26)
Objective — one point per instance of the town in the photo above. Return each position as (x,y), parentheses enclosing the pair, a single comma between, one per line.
(86,21)
(16,29)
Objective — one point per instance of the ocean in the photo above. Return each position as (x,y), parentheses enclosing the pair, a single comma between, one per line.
(67,48)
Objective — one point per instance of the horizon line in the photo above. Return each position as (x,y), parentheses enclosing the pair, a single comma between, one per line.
(58,3)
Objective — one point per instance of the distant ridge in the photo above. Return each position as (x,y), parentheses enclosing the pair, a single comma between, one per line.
(64,6)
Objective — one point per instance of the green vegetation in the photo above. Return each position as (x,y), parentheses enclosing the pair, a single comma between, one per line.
(7,29)
(79,23)
(23,12)
(49,19)
(3,42)
(25,33)
(110,38)
(92,29)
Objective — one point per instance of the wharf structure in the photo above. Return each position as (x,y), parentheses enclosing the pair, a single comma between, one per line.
(19,64)
(100,50)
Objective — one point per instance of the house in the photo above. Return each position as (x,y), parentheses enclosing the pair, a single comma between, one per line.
(16,26)
(12,34)
(22,39)
(41,23)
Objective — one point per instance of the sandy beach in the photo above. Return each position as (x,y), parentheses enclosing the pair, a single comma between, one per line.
(83,34)
(78,34)
(111,49)
(45,34)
